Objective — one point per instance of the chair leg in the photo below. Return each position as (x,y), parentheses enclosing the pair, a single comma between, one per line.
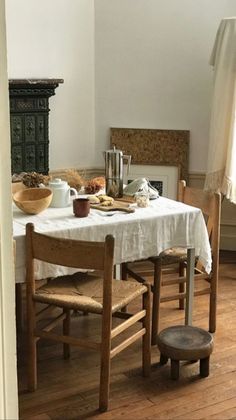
(181,285)
(146,348)
(156,299)
(104,382)
(213,304)
(124,275)
(32,346)
(105,360)
(66,331)
(19,307)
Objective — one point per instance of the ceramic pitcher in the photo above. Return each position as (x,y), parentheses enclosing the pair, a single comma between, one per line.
(61,193)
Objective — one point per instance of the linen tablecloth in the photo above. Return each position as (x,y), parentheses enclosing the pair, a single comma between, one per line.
(139,235)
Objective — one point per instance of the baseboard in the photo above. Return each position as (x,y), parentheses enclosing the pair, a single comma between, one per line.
(196,179)
(228,233)
(228,242)
(86,173)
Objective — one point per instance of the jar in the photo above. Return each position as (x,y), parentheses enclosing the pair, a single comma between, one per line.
(142,199)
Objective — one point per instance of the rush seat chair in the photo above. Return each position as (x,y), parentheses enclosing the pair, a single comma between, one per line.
(83,291)
(210,204)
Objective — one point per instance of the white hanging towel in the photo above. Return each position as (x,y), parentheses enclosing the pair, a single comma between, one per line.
(221,165)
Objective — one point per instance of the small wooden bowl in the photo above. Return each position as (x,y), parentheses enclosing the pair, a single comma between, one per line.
(33,200)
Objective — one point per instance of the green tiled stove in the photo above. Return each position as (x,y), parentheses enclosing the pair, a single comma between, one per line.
(29,116)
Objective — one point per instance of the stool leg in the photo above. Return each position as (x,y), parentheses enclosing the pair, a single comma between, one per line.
(163,359)
(174,369)
(204,367)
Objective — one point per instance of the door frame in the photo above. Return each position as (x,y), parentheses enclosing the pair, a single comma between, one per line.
(8,372)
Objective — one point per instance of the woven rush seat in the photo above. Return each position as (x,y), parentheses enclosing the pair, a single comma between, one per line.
(83,291)
(184,342)
(173,255)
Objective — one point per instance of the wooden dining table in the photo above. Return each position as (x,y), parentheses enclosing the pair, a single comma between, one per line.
(139,235)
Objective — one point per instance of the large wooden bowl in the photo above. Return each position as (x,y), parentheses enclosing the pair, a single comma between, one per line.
(33,200)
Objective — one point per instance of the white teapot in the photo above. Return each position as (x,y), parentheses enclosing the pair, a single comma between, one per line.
(61,193)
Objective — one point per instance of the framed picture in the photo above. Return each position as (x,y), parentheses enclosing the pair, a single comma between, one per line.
(163,177)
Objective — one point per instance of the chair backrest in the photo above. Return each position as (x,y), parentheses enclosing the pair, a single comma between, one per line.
(68,253)
(210,204)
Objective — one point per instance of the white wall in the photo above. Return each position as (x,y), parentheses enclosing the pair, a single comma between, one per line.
(55,39)
(152,67)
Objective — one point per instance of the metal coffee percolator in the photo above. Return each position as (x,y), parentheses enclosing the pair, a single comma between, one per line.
(114,161)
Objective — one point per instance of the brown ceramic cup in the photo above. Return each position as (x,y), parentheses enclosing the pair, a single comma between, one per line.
(81,207)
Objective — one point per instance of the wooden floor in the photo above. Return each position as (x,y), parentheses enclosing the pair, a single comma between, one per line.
(69,389)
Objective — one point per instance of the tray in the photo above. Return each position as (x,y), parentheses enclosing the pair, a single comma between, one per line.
(117,205)
(127,199)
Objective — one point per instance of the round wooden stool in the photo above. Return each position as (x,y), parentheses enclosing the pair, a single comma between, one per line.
(184,342)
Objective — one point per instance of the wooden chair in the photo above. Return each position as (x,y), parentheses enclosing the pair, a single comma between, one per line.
(85,292)
(210,204)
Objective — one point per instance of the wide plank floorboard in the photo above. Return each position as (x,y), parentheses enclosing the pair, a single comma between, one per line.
(68,389)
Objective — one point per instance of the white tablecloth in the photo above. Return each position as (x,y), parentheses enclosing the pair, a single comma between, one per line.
(145,233)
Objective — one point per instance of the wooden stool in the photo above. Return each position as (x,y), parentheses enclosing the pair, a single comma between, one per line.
(184,342)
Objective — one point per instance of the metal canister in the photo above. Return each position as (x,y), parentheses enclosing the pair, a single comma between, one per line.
(114,169)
